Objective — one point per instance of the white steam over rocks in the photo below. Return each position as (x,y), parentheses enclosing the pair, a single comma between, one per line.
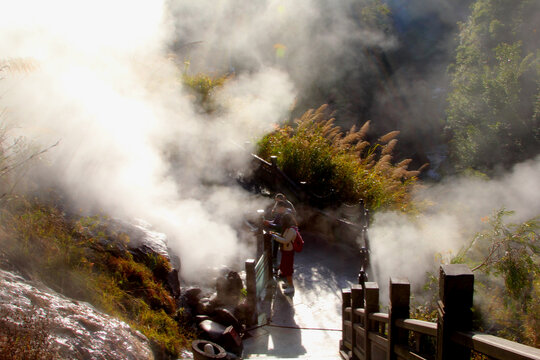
(131,143)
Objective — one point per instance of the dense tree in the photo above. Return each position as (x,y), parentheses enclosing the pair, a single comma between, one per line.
(493,111)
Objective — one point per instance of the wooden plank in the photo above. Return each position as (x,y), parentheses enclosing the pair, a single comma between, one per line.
(496,347)
(344,355)
(378,339)
(380,317)
(359,337)
(359,328)
(405,353)
(359,354)
(347,313)
(359,311)
(379,352)
(419,326)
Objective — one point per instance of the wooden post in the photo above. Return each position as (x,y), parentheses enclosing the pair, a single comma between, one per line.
(345,320)
(400,292)
(267,246)
(456,286)
(366,218)
(273,160)
(371,295)
(357,301)
(251,288)
(260,233)
(274,169)
(365,237)
(362,277)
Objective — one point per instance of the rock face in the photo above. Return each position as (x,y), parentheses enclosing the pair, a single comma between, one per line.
(219,316)
(144,243)
(69,329)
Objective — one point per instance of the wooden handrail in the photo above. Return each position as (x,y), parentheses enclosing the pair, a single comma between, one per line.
(419,326)
(388,336)
(496,347)
(359,311)
(378,316)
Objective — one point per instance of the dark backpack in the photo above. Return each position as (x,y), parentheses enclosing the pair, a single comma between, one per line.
(298,242)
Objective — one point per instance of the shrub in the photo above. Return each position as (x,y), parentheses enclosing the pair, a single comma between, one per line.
(342,166)
(511,253)
(202,87)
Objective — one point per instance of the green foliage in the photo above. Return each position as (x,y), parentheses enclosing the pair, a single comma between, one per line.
(203,86)
(510,252)
(376,15)
(341,165)
(86,260)
(493,107)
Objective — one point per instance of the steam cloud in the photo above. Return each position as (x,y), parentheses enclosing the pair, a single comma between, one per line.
(131,142)
(404,248)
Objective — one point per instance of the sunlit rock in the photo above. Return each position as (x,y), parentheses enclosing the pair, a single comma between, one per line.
(44,320)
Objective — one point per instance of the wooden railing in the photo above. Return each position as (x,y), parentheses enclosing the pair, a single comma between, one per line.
(369,334)
(258,277)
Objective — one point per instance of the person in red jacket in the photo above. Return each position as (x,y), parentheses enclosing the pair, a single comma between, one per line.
(286,238)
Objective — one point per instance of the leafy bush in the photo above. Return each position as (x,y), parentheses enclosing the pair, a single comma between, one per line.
(493,110)
(342,166)
(202,86)
(511,253)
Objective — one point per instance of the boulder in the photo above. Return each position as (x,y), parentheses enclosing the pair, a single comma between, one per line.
(212,330)
(231,341)
(192,297)
(228,288)
(205,306)
(224,336)
(225,317)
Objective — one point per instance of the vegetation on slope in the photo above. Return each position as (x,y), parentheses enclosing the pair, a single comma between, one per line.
(342,166)
(511,253)
(84,259)
(493,109)
(202,87)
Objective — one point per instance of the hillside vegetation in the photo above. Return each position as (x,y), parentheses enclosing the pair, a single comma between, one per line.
(340,165)
(84,259)
(493,114)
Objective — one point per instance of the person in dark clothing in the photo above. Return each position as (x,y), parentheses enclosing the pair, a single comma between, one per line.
(281,197)
(280,209)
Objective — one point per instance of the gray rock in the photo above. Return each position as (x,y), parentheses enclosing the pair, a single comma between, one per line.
(65,328)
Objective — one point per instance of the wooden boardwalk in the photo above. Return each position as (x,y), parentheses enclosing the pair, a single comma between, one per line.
(307,324)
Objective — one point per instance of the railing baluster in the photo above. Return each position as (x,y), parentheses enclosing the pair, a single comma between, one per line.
(400,292)
(456,286)
(371,295)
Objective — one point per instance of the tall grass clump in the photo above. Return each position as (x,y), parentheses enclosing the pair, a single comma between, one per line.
(342,166)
